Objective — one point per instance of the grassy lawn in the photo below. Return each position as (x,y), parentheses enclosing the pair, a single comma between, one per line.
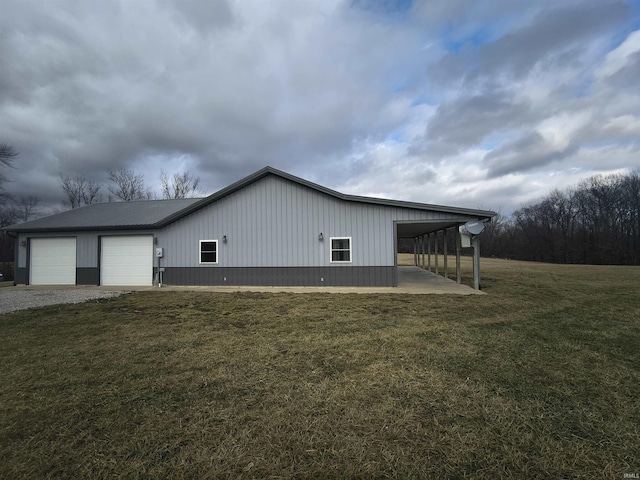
(538,379)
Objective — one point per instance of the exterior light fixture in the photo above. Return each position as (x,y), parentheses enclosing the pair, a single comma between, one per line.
(320,237)
(224,239)
(23,243)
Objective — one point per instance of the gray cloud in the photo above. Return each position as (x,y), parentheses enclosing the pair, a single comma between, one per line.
(554,37)
(203,15)
(529,152)
(627,77)
(466,121)
(395,100)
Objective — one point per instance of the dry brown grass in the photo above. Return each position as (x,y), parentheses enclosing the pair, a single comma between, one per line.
(537,379)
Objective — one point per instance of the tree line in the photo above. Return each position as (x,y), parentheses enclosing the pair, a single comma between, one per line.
(8,211)
(596,222)
(13,209)
(127,186)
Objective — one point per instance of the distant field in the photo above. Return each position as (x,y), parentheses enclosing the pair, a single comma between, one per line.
(537,379)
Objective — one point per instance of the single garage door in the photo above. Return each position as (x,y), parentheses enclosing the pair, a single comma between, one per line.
(53,261)
(126,260)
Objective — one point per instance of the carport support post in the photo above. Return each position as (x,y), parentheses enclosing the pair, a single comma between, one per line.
(475,243)
(435,248)
(444,248)
(429,251)
(458,248)
(415,247)
(422,249)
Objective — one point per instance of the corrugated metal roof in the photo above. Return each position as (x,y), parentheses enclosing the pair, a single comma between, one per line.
(114,215)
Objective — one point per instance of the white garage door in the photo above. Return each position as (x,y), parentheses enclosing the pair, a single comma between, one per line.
(126,260)
(53,261)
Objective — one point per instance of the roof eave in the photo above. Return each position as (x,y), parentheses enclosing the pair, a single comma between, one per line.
(80,229)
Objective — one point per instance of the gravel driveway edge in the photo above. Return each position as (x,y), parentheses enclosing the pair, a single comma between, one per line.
(12,300)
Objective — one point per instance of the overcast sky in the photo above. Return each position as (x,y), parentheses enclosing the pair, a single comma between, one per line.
(480,104)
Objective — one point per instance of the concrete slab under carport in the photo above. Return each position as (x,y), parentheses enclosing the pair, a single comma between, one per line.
(419,281)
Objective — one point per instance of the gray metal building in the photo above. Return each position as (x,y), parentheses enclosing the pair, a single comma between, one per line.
(270,228)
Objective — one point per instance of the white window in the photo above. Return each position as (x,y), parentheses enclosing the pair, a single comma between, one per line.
(208,251)
(340,249)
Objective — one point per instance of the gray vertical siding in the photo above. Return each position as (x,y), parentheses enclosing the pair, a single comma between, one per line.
(276,223)
(21,261)
(87,250)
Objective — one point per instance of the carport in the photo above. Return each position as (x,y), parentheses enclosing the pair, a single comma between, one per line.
(432,244)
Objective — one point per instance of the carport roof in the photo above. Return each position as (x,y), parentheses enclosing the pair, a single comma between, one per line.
(414,229)
(158,213)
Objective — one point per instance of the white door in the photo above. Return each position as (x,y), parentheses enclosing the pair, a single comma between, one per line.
(53,261)
(126,260)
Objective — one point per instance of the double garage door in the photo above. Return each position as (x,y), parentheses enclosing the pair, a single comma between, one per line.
(124,260)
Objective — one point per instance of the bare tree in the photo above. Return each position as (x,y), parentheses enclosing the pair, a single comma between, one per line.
(8,216)
(79,191)
(493,238)
(129,186)
(182,185)
(7,155)
(27,207)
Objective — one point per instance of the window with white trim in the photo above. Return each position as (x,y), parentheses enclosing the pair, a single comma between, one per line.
(208,251)
(340,249)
